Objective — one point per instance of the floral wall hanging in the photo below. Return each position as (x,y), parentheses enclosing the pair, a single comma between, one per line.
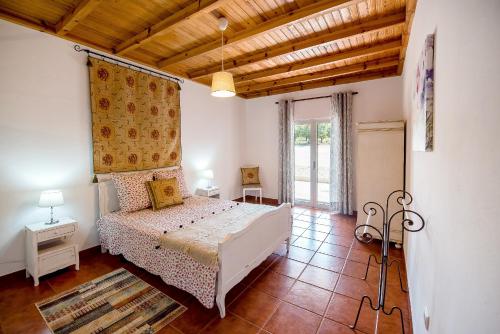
(135,119)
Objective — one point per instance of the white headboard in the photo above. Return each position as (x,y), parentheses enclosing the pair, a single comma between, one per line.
(108,197)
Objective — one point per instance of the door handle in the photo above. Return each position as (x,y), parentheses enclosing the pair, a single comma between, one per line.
(314,165)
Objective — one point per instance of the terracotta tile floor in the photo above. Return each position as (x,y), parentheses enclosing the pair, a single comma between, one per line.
(316,288)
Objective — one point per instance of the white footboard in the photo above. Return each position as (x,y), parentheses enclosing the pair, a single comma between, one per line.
(241,252)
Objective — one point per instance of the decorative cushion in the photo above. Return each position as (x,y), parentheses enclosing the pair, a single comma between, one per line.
(178,173)
(132,191)
(250,175)
(164,192)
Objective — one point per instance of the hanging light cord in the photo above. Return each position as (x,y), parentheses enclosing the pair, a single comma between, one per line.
(222,49)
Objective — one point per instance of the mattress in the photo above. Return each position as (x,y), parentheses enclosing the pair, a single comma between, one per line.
(136,236)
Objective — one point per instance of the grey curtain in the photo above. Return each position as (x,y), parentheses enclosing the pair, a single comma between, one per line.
(286,142)
(341,154)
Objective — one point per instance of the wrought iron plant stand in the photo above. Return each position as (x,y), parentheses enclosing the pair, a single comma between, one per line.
(364,233)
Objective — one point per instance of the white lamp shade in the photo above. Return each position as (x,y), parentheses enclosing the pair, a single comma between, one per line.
(208,174)
(51,198)
(223,85)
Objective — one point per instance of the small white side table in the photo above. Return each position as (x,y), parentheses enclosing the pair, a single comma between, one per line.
(213,192)
(49,247)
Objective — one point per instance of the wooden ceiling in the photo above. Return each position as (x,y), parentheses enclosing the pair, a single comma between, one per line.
(271,46)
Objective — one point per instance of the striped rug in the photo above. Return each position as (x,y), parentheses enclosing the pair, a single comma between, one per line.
(118,302)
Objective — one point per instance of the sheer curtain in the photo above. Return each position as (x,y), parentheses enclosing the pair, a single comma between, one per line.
(286,160)
(341,154)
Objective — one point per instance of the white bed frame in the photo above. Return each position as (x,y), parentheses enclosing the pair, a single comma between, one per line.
(240,252)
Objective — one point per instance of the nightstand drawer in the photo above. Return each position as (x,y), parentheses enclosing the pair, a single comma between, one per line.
(55,232)
(213,192)
(53,261)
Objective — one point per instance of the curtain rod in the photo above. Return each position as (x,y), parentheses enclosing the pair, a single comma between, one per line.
(314,98)
(78,48)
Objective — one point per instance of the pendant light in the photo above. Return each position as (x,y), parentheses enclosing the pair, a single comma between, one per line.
(222,81)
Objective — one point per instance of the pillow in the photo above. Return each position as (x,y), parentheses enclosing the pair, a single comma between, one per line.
(132,191)
(178,173)
(250,175)
(164,192)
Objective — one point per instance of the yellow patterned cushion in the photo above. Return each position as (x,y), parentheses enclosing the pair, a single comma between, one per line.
(250,175)
(164,192)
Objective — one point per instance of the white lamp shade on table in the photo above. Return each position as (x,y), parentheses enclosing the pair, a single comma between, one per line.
(223,84)
(50,198)
(208,174)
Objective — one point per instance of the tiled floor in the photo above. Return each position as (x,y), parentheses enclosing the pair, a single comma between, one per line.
(316,288)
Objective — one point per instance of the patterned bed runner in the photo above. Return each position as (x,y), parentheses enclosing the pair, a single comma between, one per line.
(200,239)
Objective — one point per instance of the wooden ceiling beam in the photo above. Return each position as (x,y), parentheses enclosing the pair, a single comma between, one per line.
(73,17)
(47,28)
(190,12)
(409,13)
(324,83)
(276,22)
(362,67)
(28,22)
(312,62)
(294,46)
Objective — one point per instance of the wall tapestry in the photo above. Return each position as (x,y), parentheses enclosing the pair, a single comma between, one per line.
(423,115)
(135,119)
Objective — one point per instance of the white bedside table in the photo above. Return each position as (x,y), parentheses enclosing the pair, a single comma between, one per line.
(213,192)
(49,247)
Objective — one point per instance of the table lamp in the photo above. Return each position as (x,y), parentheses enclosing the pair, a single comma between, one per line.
(51,198)
(209,175)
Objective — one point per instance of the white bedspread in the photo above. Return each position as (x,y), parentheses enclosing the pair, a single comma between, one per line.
(136,235)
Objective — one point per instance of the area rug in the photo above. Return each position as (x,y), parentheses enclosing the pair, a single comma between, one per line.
(118,302)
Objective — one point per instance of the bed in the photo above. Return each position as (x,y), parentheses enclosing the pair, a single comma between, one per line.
(139,237)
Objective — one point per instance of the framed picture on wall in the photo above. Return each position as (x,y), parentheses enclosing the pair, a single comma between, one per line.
(423,97)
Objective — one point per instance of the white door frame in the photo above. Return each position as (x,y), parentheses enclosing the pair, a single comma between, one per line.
(313,163)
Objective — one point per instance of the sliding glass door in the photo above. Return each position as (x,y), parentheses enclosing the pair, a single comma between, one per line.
(303,164)
(312,163)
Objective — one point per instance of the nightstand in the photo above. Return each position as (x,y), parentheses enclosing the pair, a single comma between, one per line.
(213,192)
(49,247)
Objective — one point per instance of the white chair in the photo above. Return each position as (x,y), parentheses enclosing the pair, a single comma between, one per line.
(252,187)
(251,181)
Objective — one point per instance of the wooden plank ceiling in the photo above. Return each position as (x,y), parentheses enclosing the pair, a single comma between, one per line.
(271,46)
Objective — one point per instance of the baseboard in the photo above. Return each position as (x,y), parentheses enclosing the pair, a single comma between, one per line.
(265,200)
(90,251)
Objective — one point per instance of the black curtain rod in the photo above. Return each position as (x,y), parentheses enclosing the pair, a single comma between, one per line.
(314,98)
(78,48)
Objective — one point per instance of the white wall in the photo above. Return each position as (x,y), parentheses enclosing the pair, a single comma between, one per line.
(211,138)
(453,263)
(377,100)
(45,139)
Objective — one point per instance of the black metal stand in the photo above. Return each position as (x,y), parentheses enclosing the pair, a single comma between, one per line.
(366,237)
